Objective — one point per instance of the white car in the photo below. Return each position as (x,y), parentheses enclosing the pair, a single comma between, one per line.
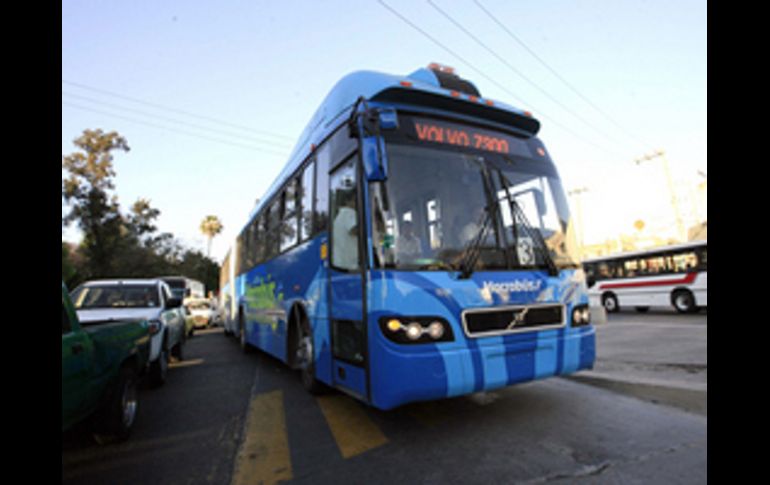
(150,299)
(203,312)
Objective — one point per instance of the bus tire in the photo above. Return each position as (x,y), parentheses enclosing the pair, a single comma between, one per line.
(683,301)
(304,357)
(245,345)
(610,303)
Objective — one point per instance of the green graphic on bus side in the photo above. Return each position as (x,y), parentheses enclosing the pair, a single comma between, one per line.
(263,306)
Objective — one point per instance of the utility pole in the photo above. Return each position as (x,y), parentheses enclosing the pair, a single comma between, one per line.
(577,193)
(674,203)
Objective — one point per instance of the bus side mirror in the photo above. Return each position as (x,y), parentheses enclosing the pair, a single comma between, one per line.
(367,124)
(374,158)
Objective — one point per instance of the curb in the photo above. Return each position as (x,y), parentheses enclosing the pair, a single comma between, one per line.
(688,397)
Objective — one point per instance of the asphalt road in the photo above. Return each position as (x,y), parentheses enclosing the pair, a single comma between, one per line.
(227,417)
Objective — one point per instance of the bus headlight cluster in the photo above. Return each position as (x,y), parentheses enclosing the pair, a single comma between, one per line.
(416,330)
(581,316)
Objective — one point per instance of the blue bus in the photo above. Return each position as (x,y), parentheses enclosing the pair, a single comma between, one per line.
(416,246)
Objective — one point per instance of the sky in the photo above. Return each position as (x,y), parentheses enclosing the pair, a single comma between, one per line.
(212,96)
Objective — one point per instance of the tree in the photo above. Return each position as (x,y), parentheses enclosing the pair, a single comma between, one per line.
(68,271)
(117,245)
(87,188)
(210,227)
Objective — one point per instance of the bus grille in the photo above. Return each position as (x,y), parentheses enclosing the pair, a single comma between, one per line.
(505,320)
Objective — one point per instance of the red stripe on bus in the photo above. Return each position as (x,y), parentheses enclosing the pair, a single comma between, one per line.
(688,279)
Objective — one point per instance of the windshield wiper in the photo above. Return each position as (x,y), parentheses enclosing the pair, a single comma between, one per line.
(472,249)
(534,234)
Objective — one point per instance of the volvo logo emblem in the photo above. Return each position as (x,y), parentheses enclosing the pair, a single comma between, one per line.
(518,318)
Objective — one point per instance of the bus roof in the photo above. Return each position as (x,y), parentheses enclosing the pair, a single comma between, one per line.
(435,87)
(641,252)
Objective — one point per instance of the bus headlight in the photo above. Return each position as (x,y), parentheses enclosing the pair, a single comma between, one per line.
(436,330)
(581,316)
(416,330)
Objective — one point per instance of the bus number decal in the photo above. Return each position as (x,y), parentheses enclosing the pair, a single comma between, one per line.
(525,251)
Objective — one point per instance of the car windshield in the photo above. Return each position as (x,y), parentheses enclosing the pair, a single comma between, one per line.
(434,204)
(116,296)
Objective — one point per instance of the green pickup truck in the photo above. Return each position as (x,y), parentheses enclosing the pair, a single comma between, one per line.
(101,366)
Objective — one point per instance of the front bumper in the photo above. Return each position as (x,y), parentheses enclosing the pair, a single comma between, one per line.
(419,373)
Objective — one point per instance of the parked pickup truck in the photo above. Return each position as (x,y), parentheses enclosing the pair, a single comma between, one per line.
(102,362)
(148,299)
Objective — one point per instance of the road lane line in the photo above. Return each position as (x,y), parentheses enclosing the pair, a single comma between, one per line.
(264,455)
(354,432)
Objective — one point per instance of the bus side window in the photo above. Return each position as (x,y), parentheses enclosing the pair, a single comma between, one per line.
(306,198)
(290,224)
(271,229)
(321,209)
(344,216)
(701,254)
(262,240)
(253,257)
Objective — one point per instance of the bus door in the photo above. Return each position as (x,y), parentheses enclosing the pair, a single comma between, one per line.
(346,290)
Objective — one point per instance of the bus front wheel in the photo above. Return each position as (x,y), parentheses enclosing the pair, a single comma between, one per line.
(305,359)
(610,303)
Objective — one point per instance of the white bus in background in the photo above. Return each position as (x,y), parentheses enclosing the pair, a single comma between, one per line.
(668,275)
(185,288)
(228,304)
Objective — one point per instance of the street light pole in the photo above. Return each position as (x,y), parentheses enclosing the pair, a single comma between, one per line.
(674,203)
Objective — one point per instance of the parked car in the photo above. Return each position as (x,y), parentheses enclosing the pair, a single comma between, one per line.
(149,299)
(102,362)
(204,313)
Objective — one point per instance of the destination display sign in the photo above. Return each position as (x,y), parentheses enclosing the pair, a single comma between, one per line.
(435,131)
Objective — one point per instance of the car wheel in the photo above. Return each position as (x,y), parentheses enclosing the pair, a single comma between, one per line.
(159,369)
(117,417)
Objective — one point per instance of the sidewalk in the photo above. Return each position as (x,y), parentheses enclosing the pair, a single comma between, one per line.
(658,363)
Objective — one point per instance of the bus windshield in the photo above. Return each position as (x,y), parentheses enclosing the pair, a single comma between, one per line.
(433,206)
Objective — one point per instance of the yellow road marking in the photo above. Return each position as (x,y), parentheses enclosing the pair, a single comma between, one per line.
(354,432)
(264,455)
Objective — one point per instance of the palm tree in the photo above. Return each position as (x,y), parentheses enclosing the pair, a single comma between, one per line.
(210,227)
